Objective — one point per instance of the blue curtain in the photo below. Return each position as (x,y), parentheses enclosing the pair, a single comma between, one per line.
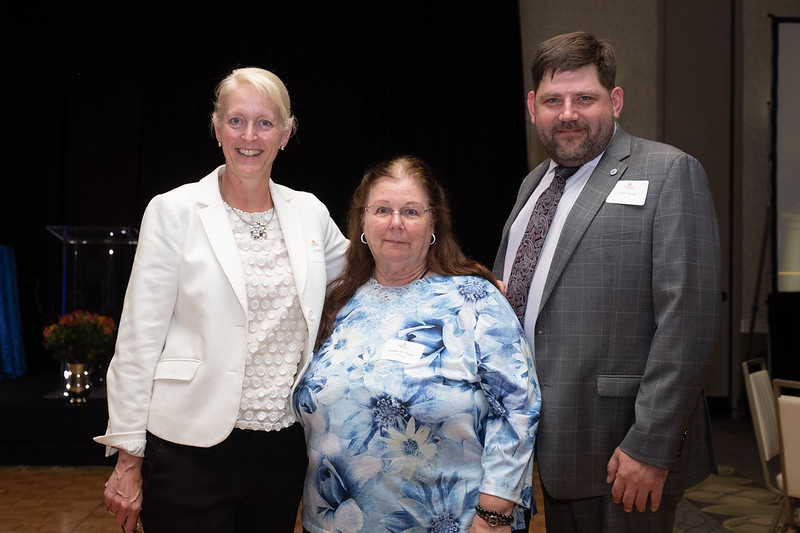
(12,350)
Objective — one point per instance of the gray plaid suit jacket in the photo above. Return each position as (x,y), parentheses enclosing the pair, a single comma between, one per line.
(627,323)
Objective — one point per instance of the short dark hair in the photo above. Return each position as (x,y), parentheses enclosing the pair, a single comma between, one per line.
(571,51)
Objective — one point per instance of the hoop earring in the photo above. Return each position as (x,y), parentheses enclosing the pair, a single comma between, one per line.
(433,238)
(363,238)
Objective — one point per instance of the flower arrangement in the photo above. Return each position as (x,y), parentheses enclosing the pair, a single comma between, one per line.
(80,337)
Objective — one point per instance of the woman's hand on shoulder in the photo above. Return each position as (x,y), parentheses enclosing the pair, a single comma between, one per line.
(501,286)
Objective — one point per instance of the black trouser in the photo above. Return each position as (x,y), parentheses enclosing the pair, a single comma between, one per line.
(251,482)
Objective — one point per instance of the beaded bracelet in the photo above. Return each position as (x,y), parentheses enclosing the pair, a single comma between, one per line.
(493,518)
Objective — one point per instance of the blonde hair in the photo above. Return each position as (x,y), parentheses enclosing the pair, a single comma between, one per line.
(266,83)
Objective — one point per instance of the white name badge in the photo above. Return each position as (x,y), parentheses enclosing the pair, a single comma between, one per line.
(401,351)
(315,252)
(628,192)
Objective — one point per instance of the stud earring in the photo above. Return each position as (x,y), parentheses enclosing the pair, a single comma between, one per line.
(282,147)
(219,144)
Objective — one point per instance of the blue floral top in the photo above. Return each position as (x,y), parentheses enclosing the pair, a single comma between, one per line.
(424,396)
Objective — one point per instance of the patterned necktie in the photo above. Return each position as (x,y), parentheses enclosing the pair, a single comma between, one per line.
(519,281)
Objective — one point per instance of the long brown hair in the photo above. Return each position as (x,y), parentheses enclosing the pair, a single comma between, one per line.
(444,256)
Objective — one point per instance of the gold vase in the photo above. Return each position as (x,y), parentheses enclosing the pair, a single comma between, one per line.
(78,383)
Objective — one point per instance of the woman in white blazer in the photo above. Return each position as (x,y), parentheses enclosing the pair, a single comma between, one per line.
(219,320)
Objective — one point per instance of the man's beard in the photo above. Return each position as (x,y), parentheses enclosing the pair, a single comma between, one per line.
(572,155)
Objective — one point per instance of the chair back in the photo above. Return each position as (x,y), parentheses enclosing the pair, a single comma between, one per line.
(760,397)
(788,409)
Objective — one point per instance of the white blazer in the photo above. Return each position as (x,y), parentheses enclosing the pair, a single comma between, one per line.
(180,356)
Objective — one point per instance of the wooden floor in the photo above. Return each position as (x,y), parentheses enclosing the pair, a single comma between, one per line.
(61,499)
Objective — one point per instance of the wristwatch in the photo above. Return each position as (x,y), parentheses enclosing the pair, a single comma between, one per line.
(493,518)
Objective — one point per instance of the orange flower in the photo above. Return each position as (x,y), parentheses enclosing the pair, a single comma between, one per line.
(80,337)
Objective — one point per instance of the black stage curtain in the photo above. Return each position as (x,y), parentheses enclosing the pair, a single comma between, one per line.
(110,105)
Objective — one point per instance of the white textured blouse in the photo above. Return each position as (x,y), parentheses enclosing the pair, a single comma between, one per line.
(276,331)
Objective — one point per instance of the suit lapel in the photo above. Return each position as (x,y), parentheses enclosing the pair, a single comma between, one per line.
(218,230)
(525,190)
(291,221)
(608,171)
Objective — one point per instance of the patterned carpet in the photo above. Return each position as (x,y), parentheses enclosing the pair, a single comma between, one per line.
(728,502)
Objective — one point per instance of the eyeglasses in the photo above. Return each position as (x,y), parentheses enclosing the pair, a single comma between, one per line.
(408,212)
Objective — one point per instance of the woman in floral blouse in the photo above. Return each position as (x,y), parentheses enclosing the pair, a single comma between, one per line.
(421,404)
